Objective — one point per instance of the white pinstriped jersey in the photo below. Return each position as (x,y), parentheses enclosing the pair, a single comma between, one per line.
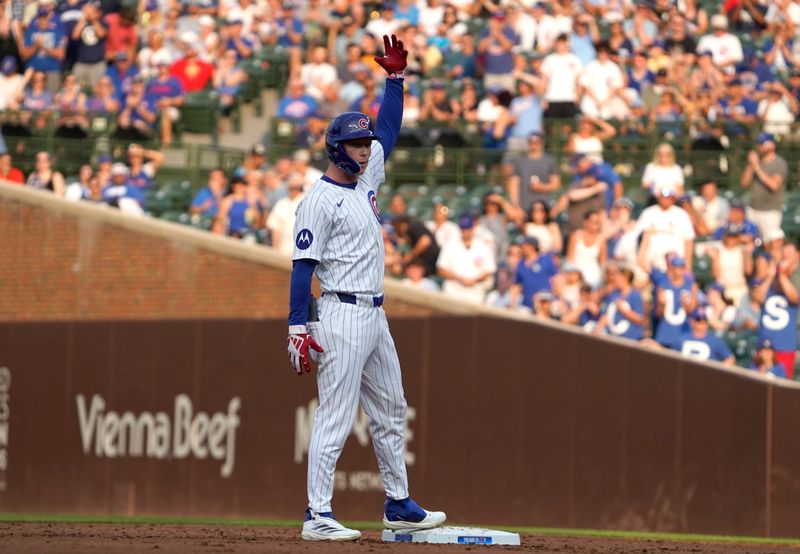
(340,227)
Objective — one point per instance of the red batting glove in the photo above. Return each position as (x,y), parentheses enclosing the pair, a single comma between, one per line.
(394,59)
(300,341)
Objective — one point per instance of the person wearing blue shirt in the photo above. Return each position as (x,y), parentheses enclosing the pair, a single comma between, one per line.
(296,105)
(779,307)
(166,93)
(623,311)
(122,73)
(736,110)
(764,361)
(120,188)
(206,201)
(699,344)
(44,47)
(737,218)
(676,296)
(289,28)
(236,41)
(406,10)
(495,46)
(526,110)
(534,272)
(602,172)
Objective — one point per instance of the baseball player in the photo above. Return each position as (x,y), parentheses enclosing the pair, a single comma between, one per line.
(337,235)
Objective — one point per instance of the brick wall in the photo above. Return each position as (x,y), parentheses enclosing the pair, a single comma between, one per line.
(70,261)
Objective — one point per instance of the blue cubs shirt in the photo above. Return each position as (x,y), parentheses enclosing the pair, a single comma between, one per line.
(673,322)
(779,322)
(709,347)
(52,36)
(618,325)
(535,277)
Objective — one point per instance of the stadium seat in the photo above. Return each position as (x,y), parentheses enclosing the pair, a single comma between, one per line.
(200,114)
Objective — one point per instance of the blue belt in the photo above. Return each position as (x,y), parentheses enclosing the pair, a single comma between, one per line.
(377,301)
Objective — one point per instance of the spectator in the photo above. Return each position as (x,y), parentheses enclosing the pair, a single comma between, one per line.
(603,172)
(736,217)
(12,83)
(766,171)
(122,72)
(534,176)
(779,306)
(719,309)
(586,313)
(706,76)
(444,230)
(621,234)
(44,47)
(418,240)
(317,73)
(748,314)
(587,250)
(103,173)
(620,45)
(534,273)
(666,228)
(731,263)
(90,54)
(238,213)
(623,312)
(501,296)
(710,206)
(236,40)
(567,287)
(282,216)
(155,49)
(438,106)
(466,265)
(725,48)
(296,105)
(589,137)
(495,46)
(121,35)
(526,112)
(301,163)
(415,277)
(549,27)
(492,226)
(44,177)
(103,100)
(675,297)
(8,172)
(764,361)
(663,173)
(699,344)
(642,28)
(544,305)
(138,116)
(206,201)
(208,38)
(542,227)
(166,93)
(193,73)
(584,36)
(228,81)
(143,165)
(80,189)
(772,251)
(71,105)
(775,111)
(735,110)
(639,76)
(120,194)
(602,82)
(587,194)
(561,71)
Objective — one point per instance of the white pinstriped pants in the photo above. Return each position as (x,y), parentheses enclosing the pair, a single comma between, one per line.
(359,365)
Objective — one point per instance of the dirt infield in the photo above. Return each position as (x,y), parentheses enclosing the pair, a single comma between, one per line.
(46,538)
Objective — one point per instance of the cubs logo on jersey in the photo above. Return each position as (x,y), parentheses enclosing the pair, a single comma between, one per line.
(373,201)
(304,239)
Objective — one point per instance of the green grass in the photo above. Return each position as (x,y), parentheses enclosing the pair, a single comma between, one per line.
(376,525)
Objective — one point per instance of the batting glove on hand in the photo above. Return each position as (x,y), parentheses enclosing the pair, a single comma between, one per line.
(394,58)
(300,341)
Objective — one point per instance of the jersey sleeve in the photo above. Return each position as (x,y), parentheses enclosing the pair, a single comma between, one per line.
(375,168)
(311,228)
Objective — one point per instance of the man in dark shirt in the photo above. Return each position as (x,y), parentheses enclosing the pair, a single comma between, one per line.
(534,176)
(90,52)
(420,241)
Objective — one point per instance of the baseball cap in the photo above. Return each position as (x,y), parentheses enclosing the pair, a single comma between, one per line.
(105,158)
(765,343)
(189,37)
(525,239)
(499,14)
(624,202)
(736,204)
(683,199)
(698,314)
(576,158)
(466,222)
(705,53)
(735,82)
(121,56)
(162,58)
(764,138)
(719,21)
(119,169)
(42,12)
(677,261)
(8,64)
(536,135)
(258,150)
(666,192)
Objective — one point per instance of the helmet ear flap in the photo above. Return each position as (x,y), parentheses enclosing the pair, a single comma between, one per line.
(346,163)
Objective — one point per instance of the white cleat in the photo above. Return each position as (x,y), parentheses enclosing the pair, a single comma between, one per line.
(323,527)
(408,515)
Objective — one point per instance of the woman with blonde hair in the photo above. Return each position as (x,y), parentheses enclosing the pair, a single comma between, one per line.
(663,173)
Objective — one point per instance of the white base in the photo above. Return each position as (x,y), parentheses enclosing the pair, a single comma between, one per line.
(452,535)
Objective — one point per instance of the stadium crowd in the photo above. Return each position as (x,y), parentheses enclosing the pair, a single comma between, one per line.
(508,72)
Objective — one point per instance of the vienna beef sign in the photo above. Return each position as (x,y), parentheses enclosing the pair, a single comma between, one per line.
(179,434)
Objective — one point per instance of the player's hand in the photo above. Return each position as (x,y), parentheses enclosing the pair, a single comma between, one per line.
(299,345)
(394,59)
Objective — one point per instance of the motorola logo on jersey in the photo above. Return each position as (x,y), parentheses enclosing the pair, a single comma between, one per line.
(304,239)
(373,201)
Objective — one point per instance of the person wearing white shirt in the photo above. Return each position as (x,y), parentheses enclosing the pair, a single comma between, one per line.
(466,265)
(415,277)
(602,81)
(444,230)
(548,27)
(431,14)
(561,70)
(725,48)
(774,111)
(318,73)
(663,173)
(664,228)
(281,219)
(387,24)
(711,206)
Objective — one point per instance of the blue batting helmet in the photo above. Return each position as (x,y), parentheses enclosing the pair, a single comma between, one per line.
(347,126)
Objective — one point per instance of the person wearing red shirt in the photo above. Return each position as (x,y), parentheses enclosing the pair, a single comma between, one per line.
(121,36)
(8,172)
(192,72)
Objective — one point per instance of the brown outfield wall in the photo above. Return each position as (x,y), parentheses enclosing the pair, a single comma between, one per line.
(510,422)
(78,261)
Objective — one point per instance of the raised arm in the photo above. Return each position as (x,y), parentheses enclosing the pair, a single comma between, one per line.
(390,115)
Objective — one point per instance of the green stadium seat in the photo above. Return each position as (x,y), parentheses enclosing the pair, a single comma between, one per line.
(200,114)
(157,202)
